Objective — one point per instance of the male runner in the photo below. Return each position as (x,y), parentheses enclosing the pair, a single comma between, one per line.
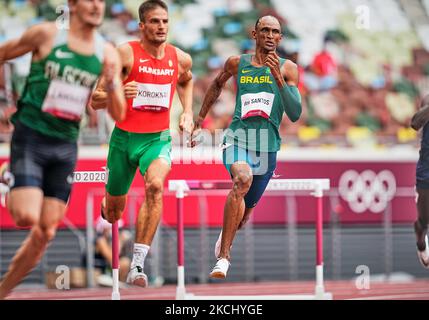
(151,70)
(420,120)
(266,90)
(64,69)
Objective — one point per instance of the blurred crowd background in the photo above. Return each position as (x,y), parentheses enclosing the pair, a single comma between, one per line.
(364,65)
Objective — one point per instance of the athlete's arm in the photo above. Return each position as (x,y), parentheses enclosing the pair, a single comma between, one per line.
(115,99)
(30,41)
(230,69)
(99,98)
(421,118)
(185,86)
(287,78)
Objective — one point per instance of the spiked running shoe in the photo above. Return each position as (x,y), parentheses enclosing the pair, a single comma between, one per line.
(136,277)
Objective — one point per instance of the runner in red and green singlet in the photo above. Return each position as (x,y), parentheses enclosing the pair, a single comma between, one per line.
(152,69)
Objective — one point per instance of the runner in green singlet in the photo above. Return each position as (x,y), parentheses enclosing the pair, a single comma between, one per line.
(267,88)
(66,64)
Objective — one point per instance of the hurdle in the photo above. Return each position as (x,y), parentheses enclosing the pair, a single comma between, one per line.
(316,187)
(100,177)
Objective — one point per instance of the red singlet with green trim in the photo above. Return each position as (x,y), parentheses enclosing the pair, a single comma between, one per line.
(156,79)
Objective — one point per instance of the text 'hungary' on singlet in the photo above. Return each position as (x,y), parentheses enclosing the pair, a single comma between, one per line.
(156,79)
(58,89)
(258,109)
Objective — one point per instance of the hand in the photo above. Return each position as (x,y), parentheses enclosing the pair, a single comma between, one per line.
(186,122)
(130,90)
(273,62)
(5,115)
(195,133)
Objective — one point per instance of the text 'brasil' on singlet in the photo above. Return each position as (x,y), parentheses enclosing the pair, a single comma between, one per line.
(156,79)
(58,89)
(258,109)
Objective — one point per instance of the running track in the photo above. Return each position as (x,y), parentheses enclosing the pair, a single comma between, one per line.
(416,290)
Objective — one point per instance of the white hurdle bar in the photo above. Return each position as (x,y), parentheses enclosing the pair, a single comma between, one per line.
(316,187)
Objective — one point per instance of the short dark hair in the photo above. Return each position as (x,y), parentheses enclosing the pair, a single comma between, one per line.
(150,5)
(259,20)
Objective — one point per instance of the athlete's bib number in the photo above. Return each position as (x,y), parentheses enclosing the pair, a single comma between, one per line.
(257,105)
(152,97)
(65,100)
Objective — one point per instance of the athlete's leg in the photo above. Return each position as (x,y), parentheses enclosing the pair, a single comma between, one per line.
(154,164)
(247,213)
(233,214)
(235,205)
(256,191)
(25,171)
(52,162)
(263,166)
(148,219)
(25,205)
(33,247)
(121,171)
(151,209)
(422,222)
(112,207)
(251,199)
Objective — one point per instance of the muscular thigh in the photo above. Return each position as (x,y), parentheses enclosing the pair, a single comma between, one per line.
(41,167)
(158,169)
(121,168)
(53,211)
(156,155)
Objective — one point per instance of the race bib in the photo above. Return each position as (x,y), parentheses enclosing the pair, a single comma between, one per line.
(152,97)
(65,100)
(257,105)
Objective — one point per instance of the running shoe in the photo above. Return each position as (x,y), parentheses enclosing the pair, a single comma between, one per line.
(220,269)
(137,277)
(424,255)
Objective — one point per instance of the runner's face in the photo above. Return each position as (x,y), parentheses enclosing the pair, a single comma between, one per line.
(268,34)
(90,12)
(155,26)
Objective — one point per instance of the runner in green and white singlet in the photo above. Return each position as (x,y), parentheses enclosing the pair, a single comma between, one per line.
(66,65)
(58,89)
(267,88)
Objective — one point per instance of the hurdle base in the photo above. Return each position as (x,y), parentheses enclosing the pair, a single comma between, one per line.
(115,289)
(181,293)
(320,294)
(180,289)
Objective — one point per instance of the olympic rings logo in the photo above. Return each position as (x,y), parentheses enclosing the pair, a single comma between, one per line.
(368,190)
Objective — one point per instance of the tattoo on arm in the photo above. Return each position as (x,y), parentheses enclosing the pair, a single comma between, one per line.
(211,96)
